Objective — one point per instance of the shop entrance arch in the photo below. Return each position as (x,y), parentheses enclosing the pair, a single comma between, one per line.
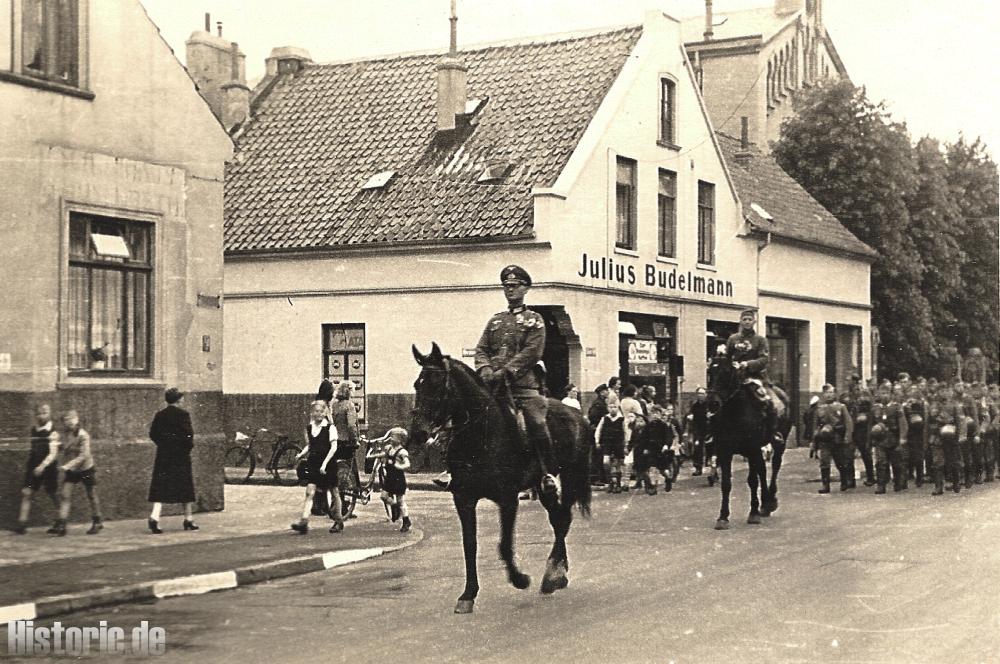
(562,349)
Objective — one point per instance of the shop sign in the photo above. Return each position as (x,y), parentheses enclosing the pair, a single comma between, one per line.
(652,275)
(641,351)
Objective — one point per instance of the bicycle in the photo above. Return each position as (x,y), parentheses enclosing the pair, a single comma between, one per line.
(240,461)
(352,489)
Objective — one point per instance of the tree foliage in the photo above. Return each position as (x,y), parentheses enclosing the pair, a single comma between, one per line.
(929,212)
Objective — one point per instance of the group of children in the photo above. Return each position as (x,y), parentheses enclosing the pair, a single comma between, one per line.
(317,471)
(57,465)
(653,440)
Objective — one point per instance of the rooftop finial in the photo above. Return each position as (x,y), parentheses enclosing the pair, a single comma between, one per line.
(453,45)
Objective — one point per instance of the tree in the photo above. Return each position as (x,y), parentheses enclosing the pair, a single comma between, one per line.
(858,163)
(972,177)
(935,226)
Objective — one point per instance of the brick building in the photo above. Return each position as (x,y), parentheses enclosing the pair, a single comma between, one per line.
(112,261)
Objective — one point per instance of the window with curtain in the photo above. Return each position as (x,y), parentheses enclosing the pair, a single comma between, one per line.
(50,46)
(109,303)
(625,203)
(666,206)
(706,223)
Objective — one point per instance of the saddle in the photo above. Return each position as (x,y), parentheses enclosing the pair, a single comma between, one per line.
(765,394)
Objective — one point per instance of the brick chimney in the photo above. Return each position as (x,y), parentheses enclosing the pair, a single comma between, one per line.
(452,81)
(235,93)
(743,156)
(709,18)
(785,7)
(214,63)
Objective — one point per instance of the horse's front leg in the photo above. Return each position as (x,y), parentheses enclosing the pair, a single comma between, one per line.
(508,517)
(466,507)
(725,463)
(556,567)
(771,503)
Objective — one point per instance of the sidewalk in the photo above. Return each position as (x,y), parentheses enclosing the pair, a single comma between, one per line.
(247,543)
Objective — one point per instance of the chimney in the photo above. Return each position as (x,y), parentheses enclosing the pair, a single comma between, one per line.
(744,155)
(452,81)
(287,60)
(235,93)
(786,7)
(214,63)
(708,20)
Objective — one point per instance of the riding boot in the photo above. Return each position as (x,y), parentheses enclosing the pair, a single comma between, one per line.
(938,482)
(543,445)
(824,474)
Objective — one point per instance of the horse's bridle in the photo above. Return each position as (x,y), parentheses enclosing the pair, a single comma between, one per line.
(723,399)
(446,419)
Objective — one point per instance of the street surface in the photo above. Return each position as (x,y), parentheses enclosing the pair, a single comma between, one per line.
(852,577)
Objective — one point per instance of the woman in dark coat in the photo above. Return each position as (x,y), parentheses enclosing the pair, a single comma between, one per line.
(172,480)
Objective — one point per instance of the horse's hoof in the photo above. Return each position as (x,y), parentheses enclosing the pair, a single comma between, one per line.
(754,519)
(548,586)
(464,606)
(765,512)
(520,581)
(722,524)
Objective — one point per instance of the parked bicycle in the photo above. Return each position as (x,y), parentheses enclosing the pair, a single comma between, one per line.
(353,487)
(241,460)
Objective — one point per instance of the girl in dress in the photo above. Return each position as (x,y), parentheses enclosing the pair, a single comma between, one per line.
(317,470)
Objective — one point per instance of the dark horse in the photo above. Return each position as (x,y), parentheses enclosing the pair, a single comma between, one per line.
(738,428)
(784,427)
(488,459)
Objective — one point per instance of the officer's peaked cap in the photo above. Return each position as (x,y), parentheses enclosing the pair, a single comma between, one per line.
(515,273)
(748,312)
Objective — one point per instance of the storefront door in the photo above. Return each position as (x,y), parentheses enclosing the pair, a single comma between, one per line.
(783,369)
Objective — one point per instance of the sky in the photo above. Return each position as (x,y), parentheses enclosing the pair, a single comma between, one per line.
(932,61)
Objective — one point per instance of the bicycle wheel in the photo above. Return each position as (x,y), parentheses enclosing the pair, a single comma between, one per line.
(284,465)
(347,488)
(238,464)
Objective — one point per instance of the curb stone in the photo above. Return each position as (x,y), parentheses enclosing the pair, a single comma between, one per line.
(196,584)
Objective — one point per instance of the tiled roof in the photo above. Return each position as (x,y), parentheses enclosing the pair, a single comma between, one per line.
(317,137)
(795,214)
(743,23)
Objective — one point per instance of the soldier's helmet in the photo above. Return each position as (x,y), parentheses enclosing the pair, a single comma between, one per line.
(825,434)
(878,432)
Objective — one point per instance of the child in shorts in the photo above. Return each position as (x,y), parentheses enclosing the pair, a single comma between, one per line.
(610,438)
(393,476)
(42,472)
(78,469)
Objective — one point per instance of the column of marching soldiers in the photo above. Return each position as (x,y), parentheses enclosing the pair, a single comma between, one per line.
(922,431)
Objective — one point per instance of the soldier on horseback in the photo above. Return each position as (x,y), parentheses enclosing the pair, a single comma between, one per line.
(749,354)
(510,349)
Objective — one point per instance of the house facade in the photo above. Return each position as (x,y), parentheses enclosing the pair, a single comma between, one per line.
(113,201)
(588,159)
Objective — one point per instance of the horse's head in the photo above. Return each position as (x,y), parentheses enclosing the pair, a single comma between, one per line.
(723,381)
(433,388)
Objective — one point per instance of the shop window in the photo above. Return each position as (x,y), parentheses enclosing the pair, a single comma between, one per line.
(706,223)
(109,301)
(668,94)
(843,353)
(50,44)
(625,203)
(666,204)
(344,359)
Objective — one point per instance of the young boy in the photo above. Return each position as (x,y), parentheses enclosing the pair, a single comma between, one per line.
(41,471)
(78,468)
(610,438)
(393,480)
(657,448)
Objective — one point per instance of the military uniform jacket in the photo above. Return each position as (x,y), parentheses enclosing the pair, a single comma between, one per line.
(836,415)
(943,413)
(513,340)
(916,416)
(749,348)
(893,417)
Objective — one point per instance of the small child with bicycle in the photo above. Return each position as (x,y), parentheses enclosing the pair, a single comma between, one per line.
(317,470)
(392,476)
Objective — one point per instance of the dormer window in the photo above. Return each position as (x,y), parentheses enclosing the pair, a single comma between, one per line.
(378,180)
(668,112)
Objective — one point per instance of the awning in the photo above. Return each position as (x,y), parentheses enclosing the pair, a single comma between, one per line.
(625,327)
